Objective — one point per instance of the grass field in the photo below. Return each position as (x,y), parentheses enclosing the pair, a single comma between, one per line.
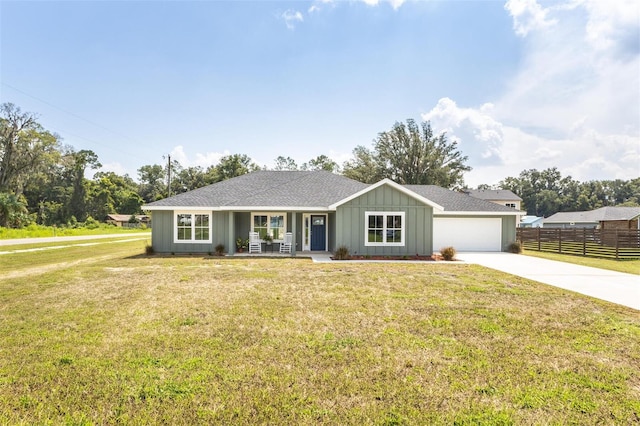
(111,336)
(39,231)
(631,266)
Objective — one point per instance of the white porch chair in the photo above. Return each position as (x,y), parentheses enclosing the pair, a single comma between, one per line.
(285,245)
(255,244)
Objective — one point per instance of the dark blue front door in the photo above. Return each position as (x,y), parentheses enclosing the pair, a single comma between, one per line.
(318,233)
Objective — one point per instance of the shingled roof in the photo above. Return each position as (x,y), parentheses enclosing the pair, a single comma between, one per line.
(282,189)
(293,190)
(595,216)
(457,201)
(493,194)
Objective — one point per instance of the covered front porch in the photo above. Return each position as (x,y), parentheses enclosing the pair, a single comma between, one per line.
(312,231)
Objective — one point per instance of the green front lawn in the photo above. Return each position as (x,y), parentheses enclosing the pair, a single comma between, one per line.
(627,266)
(124,338)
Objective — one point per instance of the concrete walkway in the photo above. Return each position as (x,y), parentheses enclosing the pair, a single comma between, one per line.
(612,286)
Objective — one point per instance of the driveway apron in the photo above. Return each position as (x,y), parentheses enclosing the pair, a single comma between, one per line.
(612,286)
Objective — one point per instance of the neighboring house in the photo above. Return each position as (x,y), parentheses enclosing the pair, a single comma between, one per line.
(324,211)
(602,218)
(504,197)
(531,222)
(123,219)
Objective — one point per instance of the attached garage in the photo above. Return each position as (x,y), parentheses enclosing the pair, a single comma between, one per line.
(468,233)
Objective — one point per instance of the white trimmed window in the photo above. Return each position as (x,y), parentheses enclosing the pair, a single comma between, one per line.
(274,224)
(384,229)
(192,227)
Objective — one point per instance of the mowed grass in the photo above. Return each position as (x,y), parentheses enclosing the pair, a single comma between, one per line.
(629,266)
(25,259)
(198,339)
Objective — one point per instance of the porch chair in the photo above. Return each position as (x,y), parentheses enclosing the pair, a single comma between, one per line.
(255,244)
(285,245)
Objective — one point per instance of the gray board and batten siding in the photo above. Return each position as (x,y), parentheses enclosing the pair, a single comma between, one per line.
(162,239)
(350,222)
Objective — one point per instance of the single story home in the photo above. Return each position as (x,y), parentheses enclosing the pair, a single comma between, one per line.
(504,197)
(609,217)
(531,222)
(324,211)
(123,219)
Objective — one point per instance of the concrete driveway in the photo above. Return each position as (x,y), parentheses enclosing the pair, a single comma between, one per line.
(616,287)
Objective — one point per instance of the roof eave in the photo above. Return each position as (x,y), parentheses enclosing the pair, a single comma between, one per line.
(239,208)
(181,208)
(275,208)
(478,213)
(572,221)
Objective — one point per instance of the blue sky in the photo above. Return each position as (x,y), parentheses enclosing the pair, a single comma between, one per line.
(519,84)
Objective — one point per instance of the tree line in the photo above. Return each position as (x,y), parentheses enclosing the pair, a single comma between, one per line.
(547,192)
(43,181)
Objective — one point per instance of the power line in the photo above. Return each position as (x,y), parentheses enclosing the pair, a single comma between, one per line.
(65,111)
(98,144)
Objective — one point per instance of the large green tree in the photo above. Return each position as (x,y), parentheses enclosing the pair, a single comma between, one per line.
(111,193)
(25,148)
(13,210)
(80,160)
(152,182)
(321,162)
(231,166)
(187,179)
(410,153)
(287,163)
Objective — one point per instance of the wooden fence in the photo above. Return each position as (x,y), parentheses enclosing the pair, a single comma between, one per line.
(612,243)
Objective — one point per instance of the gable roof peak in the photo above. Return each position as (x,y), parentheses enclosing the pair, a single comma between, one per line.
(391,183)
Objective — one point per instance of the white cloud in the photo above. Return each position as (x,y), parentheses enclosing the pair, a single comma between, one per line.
(340,157)
(528,15)
(114,167)
(612,22)
(209,158)
(395,4)
(479,134)
(574,102)
(203,160)
(291,17)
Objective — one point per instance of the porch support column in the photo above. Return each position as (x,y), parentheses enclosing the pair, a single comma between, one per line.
(293,231)
(230,237)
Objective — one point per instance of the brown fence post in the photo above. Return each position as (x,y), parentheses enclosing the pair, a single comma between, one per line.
(584,241)
(617,243)
(560,241)
(538,238)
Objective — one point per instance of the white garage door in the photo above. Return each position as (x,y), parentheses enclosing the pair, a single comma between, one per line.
(467,234)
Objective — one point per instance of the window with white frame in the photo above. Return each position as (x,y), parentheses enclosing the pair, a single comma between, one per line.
(274,224)
(512,205)
(384,229)
(192,227)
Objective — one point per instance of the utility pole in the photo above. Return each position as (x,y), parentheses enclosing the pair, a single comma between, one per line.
(169,176)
